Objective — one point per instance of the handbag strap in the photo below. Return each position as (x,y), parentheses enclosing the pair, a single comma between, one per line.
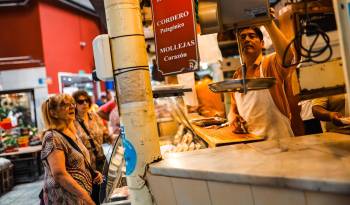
(76,147)
(91,141)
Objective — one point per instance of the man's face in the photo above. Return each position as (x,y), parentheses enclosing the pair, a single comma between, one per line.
(250,41)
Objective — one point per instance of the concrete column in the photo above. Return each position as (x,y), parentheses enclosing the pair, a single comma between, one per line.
(134,93)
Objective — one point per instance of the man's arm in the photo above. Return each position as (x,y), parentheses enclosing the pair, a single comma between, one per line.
(321,113)
(234,119)
(233,110)
(279,42)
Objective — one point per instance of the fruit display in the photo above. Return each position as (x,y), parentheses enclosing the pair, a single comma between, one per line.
(12,139)
(9,142)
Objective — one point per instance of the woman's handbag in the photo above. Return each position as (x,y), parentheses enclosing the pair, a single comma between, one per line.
(41,197)
(100,158)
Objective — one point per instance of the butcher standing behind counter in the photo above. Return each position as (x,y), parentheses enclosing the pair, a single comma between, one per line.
(263,112)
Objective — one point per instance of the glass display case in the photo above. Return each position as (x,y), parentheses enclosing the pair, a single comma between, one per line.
(70,82)
(17,108)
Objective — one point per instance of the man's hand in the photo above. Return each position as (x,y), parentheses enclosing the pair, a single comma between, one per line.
(238,124)
(335,118)
(272,13)
(272,17)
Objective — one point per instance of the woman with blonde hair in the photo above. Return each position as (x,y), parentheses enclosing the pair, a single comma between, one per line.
(68,174)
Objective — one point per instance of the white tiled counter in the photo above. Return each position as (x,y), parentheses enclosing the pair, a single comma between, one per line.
(314,171)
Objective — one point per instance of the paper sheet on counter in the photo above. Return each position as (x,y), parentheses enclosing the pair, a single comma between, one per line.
(187,80)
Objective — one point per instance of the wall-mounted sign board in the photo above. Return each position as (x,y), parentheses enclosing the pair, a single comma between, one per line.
(175,36)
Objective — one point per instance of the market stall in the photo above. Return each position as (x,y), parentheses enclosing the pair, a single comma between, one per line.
(295,170)
(19,121)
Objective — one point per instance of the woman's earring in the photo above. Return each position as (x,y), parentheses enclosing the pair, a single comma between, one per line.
(53,115)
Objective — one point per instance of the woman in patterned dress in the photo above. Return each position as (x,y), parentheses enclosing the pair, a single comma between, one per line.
(67,179)
(95,129)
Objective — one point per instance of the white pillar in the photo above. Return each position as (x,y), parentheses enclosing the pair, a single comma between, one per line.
(342,13)
(134,93)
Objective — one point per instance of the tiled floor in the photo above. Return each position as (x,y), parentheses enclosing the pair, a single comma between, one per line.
(28,193)
(23,194)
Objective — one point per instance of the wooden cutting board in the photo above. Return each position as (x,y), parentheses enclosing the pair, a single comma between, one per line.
(224,136)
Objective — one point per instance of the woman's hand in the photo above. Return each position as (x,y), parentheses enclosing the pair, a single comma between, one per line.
(98,179)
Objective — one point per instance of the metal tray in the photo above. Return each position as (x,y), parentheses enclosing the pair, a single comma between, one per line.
(207,121)
(236,85)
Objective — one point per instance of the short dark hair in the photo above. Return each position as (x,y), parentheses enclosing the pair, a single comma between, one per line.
(256,30)
(79,93)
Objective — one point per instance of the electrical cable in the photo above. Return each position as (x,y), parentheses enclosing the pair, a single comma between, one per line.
(310,53)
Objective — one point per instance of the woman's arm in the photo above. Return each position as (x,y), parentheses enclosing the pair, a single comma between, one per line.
(105,110)
(56,161)
(103,115)
(106,137)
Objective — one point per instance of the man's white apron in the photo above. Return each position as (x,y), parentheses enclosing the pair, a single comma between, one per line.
(262,115)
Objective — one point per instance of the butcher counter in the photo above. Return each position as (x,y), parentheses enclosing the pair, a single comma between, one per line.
(314,170)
